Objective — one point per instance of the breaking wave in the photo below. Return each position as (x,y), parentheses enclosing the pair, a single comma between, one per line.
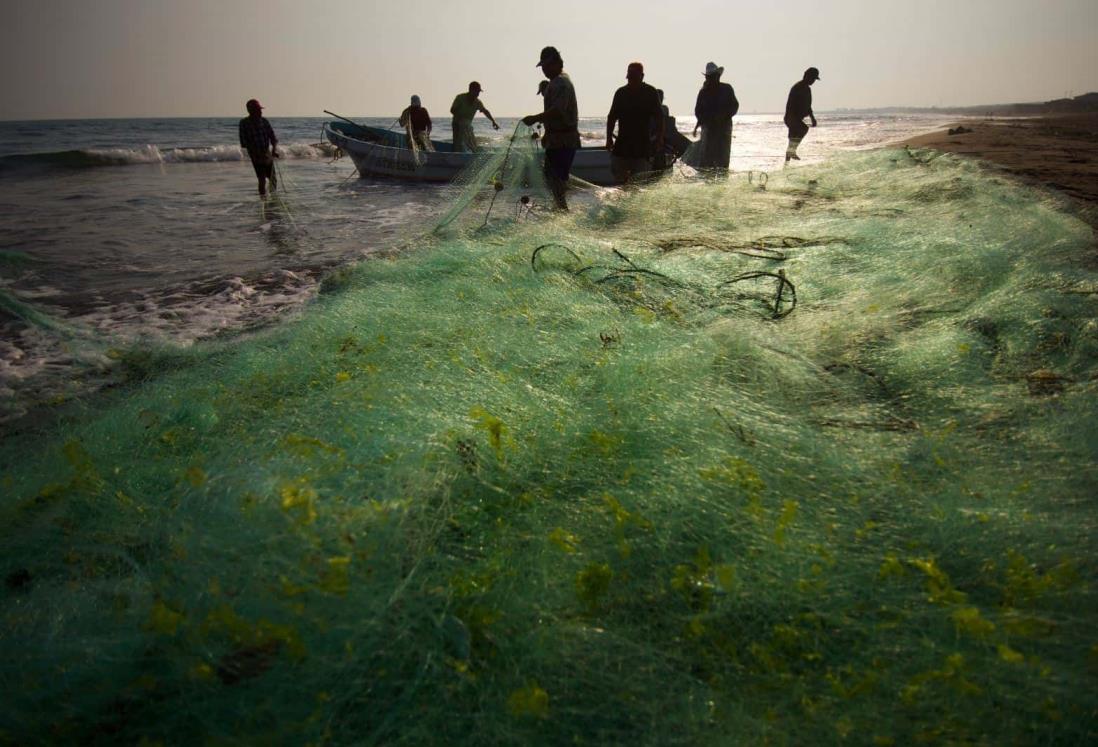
(151,154)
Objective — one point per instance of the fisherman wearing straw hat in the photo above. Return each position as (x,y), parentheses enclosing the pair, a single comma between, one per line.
(715,107)
(797,107)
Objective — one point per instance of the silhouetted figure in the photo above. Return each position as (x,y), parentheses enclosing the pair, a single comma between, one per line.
(257,137)
(561,120)
(714,110)
(675,143)
(797,107)
(417,121)
(464,108)
(635,110)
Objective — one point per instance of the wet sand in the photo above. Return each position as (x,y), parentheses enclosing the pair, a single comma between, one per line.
(1056,151)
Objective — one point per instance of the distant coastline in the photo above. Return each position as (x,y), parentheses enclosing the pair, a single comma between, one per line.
(1087,102)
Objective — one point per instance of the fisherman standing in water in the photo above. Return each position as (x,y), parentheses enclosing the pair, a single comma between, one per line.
(464,108)
(797,107)
(417,121)
(258,139)
(715,107)
(561,120)
(637,113)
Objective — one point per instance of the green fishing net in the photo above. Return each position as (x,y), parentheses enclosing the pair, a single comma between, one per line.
(790,460)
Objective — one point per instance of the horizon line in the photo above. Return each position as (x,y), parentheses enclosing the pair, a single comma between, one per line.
(900,107)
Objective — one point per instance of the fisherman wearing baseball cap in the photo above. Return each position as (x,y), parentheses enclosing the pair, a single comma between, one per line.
(797,107)
(257,138)
(561,120)
(714,109)
(464,108)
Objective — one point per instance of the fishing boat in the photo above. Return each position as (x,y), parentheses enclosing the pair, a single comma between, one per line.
(378,152)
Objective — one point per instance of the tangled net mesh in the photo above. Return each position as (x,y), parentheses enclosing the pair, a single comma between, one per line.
(593,477)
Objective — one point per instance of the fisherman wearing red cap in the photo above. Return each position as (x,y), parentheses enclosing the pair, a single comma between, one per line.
(258,139)
(637,113)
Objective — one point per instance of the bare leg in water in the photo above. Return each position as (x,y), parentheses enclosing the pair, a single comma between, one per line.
(791,151)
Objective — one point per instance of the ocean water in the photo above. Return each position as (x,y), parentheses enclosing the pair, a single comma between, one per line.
(698,463)
(151,230)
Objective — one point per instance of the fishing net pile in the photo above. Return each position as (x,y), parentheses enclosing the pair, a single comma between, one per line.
(811,461)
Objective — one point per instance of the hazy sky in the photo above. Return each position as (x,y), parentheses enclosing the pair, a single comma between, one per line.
(128,58)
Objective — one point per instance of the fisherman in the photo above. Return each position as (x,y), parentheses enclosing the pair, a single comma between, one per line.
(561,120)
(636,111)
(674,142)
(257,137)
(464,108)
(417,121)
(797,107)
(715,107)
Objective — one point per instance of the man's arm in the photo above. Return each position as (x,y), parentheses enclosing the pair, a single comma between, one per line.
(488,114)
(699,112)
(735,104)
(611,122)
(554,110)
(272,136)
(243,145)
(810,112)
(454,106)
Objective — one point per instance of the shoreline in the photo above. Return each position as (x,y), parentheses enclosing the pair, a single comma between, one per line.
(1058,151)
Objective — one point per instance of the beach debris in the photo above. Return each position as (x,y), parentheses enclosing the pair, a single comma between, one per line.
(610,339)
(784,295)
(1044,382)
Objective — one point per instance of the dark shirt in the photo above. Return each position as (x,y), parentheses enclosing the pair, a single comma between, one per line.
(420,119)
(716,105)
(799,104)
(636,111)
(257,136)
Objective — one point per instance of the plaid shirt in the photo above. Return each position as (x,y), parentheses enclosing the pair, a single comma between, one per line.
(257,136)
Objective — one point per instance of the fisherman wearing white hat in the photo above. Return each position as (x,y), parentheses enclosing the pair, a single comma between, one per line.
(417,122)
(714,110)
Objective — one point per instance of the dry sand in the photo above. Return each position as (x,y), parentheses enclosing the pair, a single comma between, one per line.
(1056,151)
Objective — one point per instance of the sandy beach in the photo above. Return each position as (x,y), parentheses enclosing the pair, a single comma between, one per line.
(1057,151)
